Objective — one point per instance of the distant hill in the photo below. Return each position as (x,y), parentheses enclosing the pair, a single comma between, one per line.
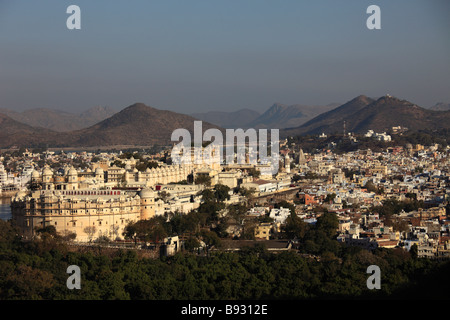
(441,107)
(96,114)
(275,117)
(142,125)
(231,120)
(14,133)
(137,125)
(327,121)
(280,116)
(58,120)
(362,114)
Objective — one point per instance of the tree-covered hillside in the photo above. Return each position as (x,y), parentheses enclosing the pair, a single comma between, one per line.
(38,270)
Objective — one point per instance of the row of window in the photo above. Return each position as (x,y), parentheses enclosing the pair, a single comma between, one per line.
(74,223)
(92,193)
(80,211)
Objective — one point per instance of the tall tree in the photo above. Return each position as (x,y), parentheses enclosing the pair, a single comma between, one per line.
(328,223)
(221,192)
(295,228)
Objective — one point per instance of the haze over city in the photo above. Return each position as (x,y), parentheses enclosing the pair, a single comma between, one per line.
(199,56)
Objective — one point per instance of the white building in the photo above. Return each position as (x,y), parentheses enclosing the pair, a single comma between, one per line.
(280,215)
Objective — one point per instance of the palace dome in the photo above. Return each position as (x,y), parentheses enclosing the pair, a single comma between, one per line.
(147,193)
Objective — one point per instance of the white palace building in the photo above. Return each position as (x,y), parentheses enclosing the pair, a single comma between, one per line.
(96,203)
(87,208)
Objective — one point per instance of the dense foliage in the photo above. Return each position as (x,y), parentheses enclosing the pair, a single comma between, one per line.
(37,270)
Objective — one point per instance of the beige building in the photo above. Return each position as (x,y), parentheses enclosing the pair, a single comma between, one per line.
(89,213)
(229,178)
(115,175)
(156,176)
(380,169)
(263,231)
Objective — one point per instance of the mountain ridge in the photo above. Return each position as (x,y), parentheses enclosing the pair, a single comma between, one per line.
(280,116)
(137,124)
(58,120)
(441,106)
(277,116)
(228,119)
(140,124)
(363,113)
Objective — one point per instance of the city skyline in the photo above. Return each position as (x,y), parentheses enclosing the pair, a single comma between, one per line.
(230,55)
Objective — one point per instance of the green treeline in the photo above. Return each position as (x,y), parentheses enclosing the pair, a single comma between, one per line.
(37,270)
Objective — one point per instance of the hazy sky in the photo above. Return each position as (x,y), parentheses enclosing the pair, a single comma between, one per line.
(197,55)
